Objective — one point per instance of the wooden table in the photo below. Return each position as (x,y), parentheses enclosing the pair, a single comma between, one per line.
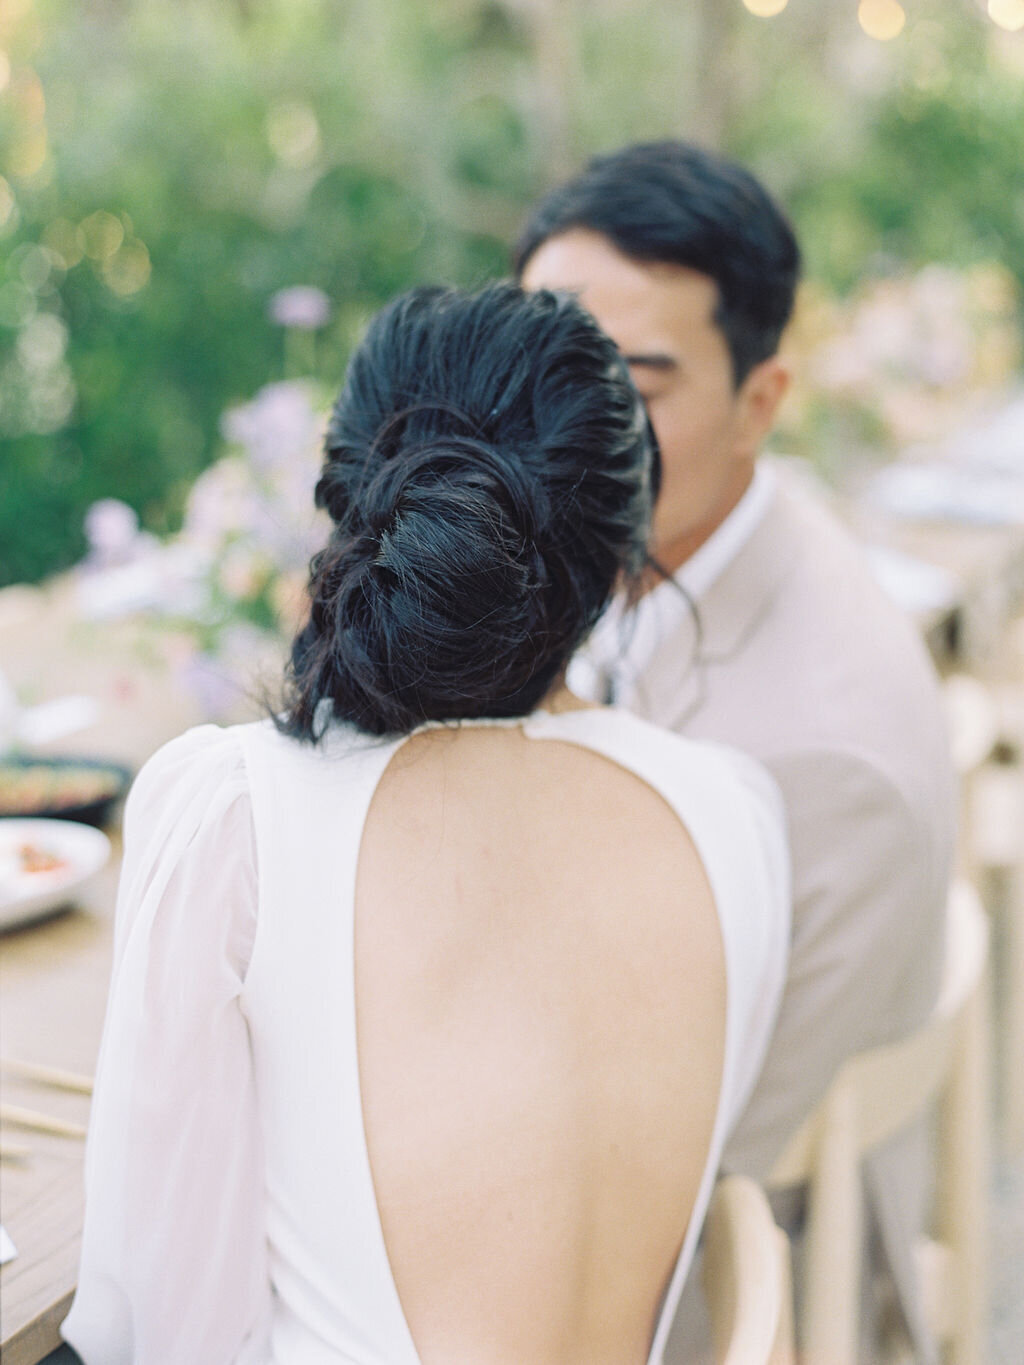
(53,981)
(54,976)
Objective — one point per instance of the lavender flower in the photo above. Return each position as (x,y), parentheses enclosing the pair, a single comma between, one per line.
(112,530)
(303,306)
(279,426)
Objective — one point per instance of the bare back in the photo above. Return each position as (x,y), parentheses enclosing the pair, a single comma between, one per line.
(541,995)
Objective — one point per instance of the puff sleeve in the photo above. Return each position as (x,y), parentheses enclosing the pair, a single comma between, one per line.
(174,1263)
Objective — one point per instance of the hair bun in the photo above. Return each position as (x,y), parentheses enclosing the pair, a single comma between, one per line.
(444,581)
(452,476)
(489,475)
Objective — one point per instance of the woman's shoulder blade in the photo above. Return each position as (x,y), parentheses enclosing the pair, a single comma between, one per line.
(731,808)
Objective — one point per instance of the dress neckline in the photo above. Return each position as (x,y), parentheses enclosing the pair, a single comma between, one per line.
(540,716)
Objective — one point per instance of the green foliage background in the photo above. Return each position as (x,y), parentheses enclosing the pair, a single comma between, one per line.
(169,168)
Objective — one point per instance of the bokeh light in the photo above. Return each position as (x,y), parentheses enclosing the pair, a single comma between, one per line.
(62,237)
(100,235)
(7,204)
(293,134)
(1008,14)
(27,156)
(128,269)
(42,342)
(882,19)
(766,9)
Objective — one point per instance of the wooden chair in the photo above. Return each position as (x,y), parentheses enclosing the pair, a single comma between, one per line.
(987,738)
(973,733)
(746,1278)
(875,1095)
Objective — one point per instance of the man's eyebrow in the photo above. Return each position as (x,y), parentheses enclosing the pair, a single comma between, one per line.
(654,360)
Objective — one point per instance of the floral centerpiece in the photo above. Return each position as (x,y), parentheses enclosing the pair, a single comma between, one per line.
(251,527)
(901,362)
(223,597)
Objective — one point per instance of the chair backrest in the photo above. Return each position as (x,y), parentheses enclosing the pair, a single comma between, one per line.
(972,717)
(747,1281)
(884,1088)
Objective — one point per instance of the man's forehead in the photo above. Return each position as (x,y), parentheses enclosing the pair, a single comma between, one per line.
(643,305)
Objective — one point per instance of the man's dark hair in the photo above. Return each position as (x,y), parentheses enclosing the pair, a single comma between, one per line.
(490,473)
(675,203)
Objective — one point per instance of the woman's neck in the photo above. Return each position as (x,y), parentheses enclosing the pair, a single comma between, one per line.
(559,698)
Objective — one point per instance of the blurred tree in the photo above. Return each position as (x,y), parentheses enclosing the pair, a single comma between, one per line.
(163,173)
(894,155)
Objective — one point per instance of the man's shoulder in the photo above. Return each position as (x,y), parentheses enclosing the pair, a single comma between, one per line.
(802,581)
(804,519)
(830,665)
(829,604)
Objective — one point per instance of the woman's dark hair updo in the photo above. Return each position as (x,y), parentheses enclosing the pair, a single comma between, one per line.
(489,474)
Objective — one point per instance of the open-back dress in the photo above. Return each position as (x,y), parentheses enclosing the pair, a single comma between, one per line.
(231,1214)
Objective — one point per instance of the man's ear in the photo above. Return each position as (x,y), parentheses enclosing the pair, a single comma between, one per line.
(759,397)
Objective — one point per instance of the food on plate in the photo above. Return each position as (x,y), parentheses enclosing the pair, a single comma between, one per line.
(33,858)
(28,788)
(44,864)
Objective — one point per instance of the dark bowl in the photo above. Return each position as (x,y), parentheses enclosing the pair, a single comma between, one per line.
(48,802)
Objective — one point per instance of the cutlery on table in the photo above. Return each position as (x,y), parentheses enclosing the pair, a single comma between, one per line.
(47,1075)
(42,1123)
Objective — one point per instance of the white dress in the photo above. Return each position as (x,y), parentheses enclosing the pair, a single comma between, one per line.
(230,1209)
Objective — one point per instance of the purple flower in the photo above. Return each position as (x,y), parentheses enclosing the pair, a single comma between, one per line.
(112,530)
(279,425)
(303,306)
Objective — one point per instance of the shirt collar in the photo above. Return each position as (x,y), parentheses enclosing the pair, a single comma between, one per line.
(705,610)
(704,566)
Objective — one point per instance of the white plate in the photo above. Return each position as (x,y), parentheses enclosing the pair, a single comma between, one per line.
(27,896)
